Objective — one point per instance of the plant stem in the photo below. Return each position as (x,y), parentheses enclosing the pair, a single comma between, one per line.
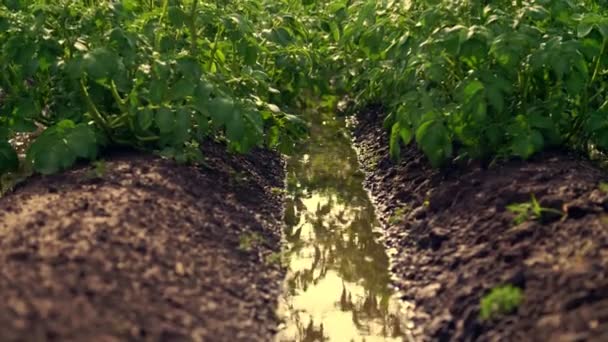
(214,49)
(599,59)
(99,119)
(193,32)
(604,106)
(160,22)
(122,104)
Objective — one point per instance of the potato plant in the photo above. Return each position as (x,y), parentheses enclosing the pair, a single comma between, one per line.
(463,79)
(158,75)
(478,79)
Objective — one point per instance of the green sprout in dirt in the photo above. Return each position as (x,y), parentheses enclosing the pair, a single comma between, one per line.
(278,191)
(238,177)
(603,187)
(249,241)
(99,170)
(278,258)
(531,210)
(501,300)
(399,215)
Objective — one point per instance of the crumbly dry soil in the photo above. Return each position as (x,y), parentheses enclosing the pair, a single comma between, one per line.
(455,240)
(151,251)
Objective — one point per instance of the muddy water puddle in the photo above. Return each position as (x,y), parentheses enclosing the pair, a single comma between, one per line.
(337,288)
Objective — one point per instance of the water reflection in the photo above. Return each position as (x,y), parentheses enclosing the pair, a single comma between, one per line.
(337,289)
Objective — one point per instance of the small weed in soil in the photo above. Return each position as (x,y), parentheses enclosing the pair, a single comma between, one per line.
(249,241)
(239,178)
(531,210)
(279,258)
(399,215)
(501,300)
(98,171)
(278,191)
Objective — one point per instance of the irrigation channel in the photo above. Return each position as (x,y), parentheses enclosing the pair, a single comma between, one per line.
(337,288)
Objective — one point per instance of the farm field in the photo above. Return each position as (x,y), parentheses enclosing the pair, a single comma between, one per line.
(303,170)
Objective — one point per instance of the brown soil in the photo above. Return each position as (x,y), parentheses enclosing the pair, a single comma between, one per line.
(463,242)
(150,251)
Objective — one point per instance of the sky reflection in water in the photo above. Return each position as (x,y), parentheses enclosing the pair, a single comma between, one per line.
(337,288)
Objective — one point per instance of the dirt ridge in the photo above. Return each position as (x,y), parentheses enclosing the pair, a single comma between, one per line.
(149,251)
(455,241)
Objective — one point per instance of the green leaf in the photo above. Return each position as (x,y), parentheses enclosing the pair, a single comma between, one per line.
(145,117)
(23,125)
(235,128)
(495,98)
(527,143)
(165,120)
(56,157)
(597,121)
(100,63)
(282,36)
(177,17)
(156,91)
(584,28)
(181,89)
(434,139)
(189,68)
(603,27)
(472,89)
(201,96)
(182,127)
(539,121)
(394,143)
(600,138)
(560,66)
(202,125)
(575,83)
(81,141)
(26,108)
(9,160)
(221,110)
(58,147)
(406,135)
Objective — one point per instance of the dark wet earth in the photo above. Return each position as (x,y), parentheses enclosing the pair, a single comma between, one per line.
(338,283)
(455,239)
(146,250)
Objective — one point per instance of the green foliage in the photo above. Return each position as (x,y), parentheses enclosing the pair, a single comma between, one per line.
(59,146)
(501,300)
(473,79)
(154,75)
(530,210)
(461,79)
(8,158)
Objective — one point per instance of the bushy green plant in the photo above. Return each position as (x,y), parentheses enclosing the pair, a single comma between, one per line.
(463,79)
(501,300)
(156,75)
(479,79)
